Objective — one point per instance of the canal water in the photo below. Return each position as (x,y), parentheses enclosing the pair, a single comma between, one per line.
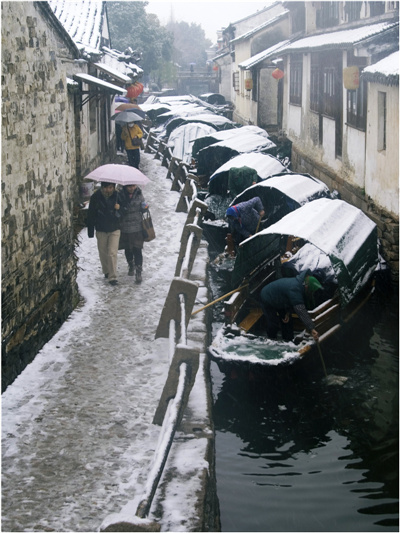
(296,454)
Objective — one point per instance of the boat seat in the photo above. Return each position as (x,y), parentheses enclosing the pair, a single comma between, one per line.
(252,318)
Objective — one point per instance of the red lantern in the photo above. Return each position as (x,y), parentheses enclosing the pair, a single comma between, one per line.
(278,74)
(215,67)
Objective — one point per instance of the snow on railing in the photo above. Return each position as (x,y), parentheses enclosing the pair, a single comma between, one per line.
(184,360)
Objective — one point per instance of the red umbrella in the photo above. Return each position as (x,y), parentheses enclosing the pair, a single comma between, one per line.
(119,174)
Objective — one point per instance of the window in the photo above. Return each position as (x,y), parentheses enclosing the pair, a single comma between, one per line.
(377,8)
(381,120)
(328,15)
(315,83)
(296,79)
(352,11)
(235,81)
(357,106)
(357,99)
(329,91)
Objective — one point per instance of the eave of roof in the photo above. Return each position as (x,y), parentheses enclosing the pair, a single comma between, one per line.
(92,80)
(119,76)
(265,54)
(340,39)
(385,71)
(261,27)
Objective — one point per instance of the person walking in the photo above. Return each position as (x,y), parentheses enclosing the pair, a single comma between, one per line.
(132,207)
(131,135)
(244,219)
(104,216)
(285,295)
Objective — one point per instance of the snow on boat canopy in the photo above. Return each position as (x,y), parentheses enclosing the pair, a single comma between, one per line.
(203,142)
(181,139)
(209,159)
(283,193)
(326,236)
(218,121)
(264,165)
(339,230)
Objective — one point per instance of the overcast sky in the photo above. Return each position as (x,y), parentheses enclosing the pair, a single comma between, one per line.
(210,15)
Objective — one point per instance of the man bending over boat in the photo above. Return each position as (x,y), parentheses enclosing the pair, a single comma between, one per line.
(286,295)
(244,219)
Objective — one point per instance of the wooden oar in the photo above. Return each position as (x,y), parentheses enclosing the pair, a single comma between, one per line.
(322,359)
(220,298)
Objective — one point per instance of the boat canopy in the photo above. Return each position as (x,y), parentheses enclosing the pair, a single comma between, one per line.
(181,139)
(203,142)
(264,165)
(215,155)
(341,231)
(283,193)
(218,121)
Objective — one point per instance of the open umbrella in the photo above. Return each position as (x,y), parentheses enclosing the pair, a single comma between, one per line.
(120,174)
(125,117)
(131,107)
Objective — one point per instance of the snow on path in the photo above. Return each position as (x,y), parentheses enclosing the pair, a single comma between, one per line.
(77,433)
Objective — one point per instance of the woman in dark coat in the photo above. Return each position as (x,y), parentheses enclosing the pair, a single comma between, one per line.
(132,207)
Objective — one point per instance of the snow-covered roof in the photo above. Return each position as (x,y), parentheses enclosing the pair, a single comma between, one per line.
(254,60)
(82,20)
(341,38)
(262,26)
(385,71)
(264,164)
(87,78)
(113,72)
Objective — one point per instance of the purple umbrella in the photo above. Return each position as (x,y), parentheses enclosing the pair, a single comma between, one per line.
(120,174)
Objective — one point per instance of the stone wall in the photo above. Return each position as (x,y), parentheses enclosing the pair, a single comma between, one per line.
(388,225)
(38,184)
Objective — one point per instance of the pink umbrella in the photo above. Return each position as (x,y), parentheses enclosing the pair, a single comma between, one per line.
(120,174)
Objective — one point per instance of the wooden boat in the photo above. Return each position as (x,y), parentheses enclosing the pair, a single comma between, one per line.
(332,239)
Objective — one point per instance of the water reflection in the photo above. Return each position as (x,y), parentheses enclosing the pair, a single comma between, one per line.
(294,454)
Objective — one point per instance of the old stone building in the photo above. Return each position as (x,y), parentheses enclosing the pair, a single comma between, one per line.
(38,182)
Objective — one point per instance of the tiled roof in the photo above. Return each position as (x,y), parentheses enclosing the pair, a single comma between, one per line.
(341,38)
(82,20)
(262,26)
(254,60)
(384,71)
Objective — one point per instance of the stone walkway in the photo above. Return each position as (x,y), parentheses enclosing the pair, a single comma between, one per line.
(77,432)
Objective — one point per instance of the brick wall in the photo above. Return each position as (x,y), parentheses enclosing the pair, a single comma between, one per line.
(38,185)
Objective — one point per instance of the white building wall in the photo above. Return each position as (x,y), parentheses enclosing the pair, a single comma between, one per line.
(382,170)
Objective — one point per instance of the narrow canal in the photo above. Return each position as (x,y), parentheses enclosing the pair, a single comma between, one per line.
(296,454)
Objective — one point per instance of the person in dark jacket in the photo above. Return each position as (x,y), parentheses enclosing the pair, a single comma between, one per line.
(104,216)
(244,219)
(286,295)
(132,206)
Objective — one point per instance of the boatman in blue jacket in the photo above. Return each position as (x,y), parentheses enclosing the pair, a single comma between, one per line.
(286,295)
(244,218)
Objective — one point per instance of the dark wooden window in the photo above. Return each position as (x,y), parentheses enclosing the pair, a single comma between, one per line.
(329,90)
(328,14)
(296,79)
(377,8)
(381,120)
(315,82)
(352,10)
(357,99)
(235,81)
